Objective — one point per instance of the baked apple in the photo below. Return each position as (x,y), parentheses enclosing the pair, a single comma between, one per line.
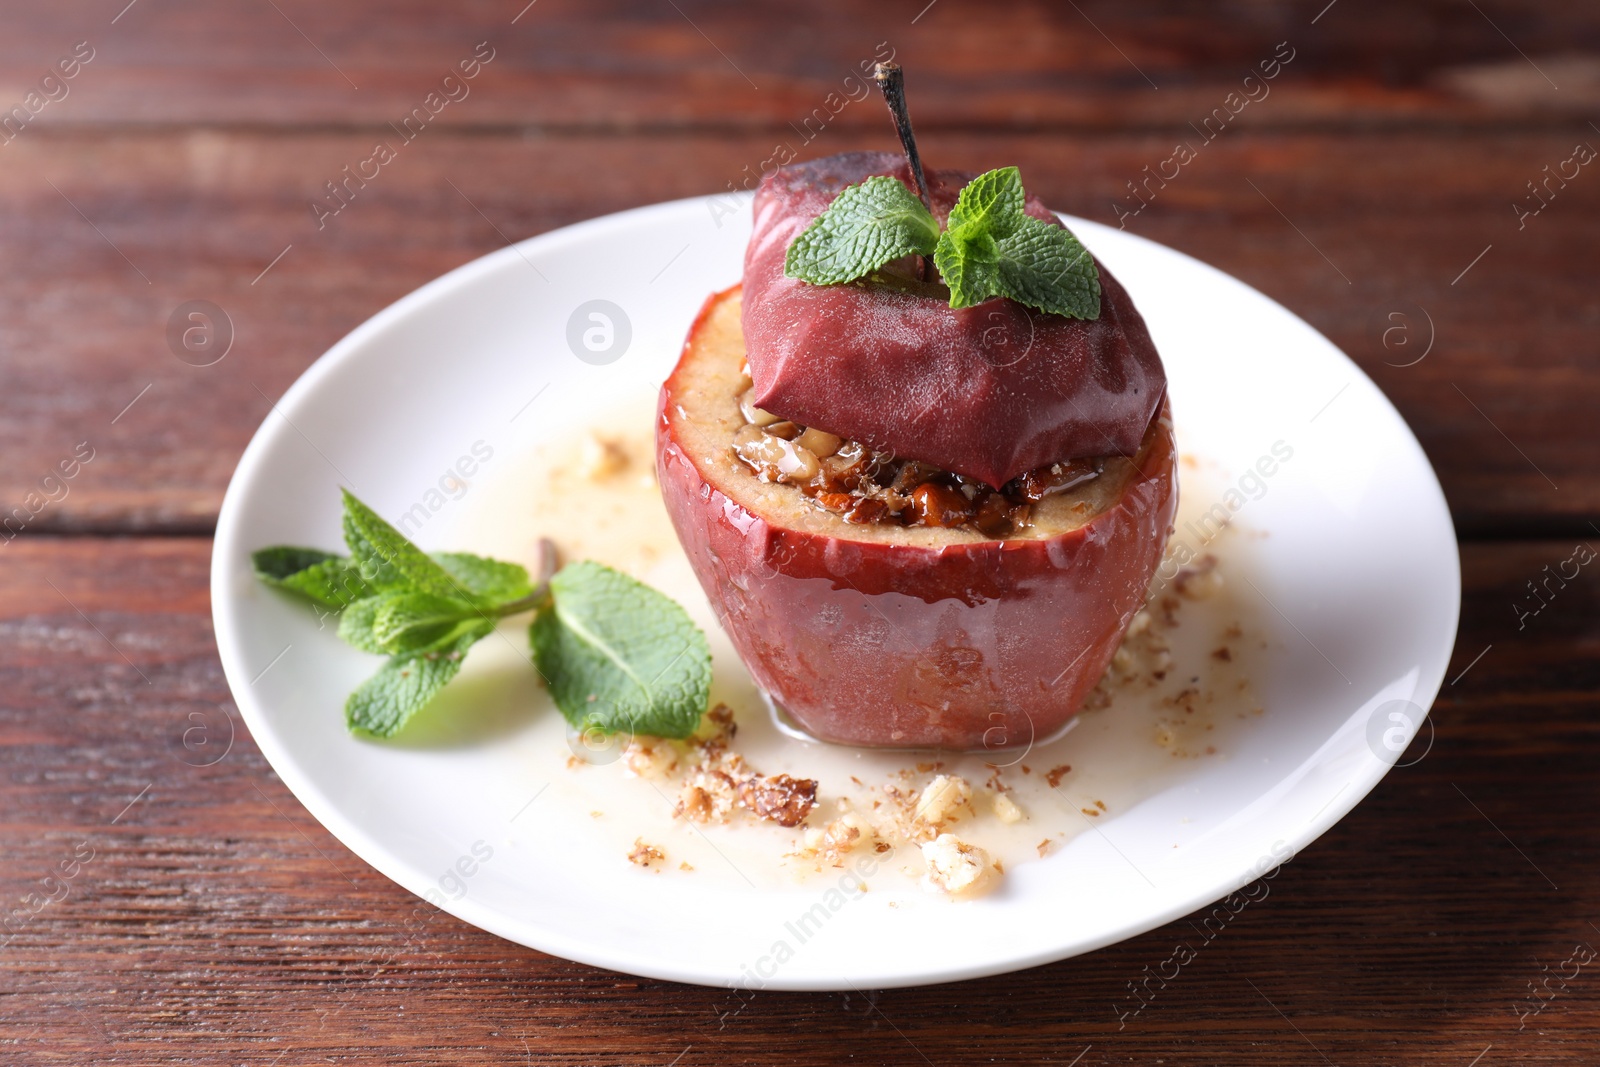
(921,460)
(880,599)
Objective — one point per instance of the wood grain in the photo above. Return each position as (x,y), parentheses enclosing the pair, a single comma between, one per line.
(1348,230)
(629,65)
(217,923)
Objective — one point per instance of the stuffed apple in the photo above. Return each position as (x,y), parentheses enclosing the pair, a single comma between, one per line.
(924,508)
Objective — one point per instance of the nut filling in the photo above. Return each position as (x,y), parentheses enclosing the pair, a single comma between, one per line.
(863,485)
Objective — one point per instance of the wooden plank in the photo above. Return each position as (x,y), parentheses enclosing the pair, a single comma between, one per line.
(104,237)
(217,923)
(634,64)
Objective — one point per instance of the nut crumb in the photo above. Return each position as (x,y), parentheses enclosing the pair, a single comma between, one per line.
(955,866)
(1006,809)
(644,855)
(942,800)
(602,457)
(707,797)
(649,757)
(1200,580)
(785,800)
(847,832)
(1057,773)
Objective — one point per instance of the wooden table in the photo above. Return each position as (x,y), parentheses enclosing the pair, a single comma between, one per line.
(1371,186)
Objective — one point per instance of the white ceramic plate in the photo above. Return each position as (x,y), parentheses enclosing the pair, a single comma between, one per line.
(1358,565)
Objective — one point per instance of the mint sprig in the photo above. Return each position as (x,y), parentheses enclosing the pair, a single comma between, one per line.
(990,248)
(616,654)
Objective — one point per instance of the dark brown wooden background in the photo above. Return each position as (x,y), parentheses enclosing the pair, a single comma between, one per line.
(217,923)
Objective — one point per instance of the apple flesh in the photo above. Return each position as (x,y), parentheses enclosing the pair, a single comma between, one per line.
(904,636)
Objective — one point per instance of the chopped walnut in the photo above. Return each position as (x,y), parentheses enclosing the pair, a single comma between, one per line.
(942,800)
(785,800)
(717,730)
(845,834)
(644,855)
(1006,810)
(954,865)
(649,757)
(707,797)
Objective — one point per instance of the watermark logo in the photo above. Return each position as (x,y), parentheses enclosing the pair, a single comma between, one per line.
(1390,728)
(1004,341)
(596,746)
(207,736)
(199,332)
(1405,335)
(599,332)
(1007,737)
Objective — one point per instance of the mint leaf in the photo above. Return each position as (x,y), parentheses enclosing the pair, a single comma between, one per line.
(621,656)
(969,262)
(321,577)
(488,579)
(401,688)
(989,204)
(272,565)
(865,227)
(1046,267)
(993,248)
(409,623)
(968,256)
(386,559)
(398,623)
(356,625)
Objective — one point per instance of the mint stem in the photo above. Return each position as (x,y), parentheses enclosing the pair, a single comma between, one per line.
(892,80)
(549,563)
(531,602)
(549,560)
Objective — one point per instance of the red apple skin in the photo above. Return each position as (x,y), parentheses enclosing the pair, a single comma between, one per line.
(974,645)
(988,391)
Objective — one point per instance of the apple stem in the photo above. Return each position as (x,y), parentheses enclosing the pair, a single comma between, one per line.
(891,79)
